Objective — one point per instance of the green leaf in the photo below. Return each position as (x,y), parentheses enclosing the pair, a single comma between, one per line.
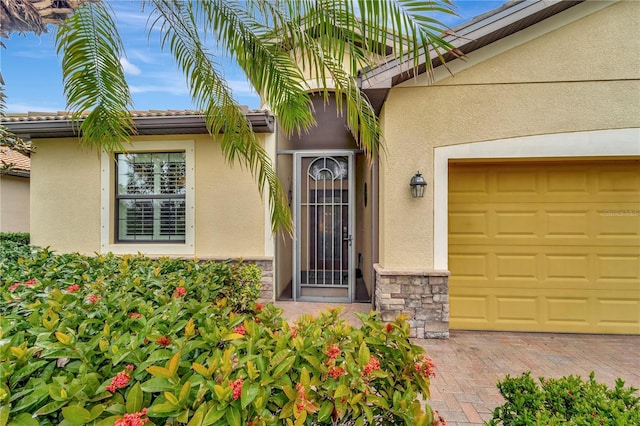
(24,419)
(325,411)
(283,367)
(213,415)
(171,398)
(363,354)
(221,392)
(249,392)
(160,410)
(233,416)
(76,415)
(159,372)
(134,399)
(156,384)
(109,421)
(50,407)
(341,391)
(198,416)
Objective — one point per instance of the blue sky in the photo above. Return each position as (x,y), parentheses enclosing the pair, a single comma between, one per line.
(31,68)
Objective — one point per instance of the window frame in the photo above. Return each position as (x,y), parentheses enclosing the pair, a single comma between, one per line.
(155,197)
(109,202)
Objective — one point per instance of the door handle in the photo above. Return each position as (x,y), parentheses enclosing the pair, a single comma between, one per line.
(348,238)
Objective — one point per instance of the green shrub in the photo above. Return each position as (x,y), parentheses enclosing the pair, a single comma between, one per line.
(565,401)
(118,340)
(21,238)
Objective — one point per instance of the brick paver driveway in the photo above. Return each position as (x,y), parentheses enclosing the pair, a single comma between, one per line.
(470,363)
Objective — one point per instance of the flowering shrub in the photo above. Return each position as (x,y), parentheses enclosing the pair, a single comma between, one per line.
(138,355)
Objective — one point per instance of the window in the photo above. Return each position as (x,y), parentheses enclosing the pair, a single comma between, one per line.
(150,197)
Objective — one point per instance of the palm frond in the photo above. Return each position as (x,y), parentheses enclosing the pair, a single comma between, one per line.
(210,93)
(269,68)
(93,76)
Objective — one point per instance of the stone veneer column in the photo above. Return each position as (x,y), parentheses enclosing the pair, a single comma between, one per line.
(421,295)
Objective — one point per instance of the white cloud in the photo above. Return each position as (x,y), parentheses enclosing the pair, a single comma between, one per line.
(129,68)
(22,107)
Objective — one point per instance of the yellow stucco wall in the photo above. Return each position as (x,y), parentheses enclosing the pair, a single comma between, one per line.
(66,187)
(14,204)
(65,196)
(582,76)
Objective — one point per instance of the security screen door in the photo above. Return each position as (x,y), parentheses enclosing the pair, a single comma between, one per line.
(324,248)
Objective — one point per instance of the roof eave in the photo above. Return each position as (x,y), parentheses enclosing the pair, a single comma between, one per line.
(261,122)
(471,36)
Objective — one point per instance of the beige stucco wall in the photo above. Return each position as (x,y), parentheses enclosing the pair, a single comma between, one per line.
(14,204)
(65,196)
(66,186)
(584,75)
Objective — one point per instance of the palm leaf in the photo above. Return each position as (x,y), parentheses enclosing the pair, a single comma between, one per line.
(93,76)
(178,24)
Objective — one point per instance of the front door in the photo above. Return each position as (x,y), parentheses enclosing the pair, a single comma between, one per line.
(323,216)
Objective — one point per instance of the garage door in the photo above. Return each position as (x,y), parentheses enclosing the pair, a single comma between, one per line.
(548,246)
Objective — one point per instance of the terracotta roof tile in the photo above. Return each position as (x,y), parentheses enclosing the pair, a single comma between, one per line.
(17,160)
(65,115)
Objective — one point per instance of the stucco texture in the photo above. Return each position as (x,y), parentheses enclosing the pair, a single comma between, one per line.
(14,204)
(66,200)
(65,196)
(583,75)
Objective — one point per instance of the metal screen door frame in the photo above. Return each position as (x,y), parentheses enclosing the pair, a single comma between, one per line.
(300,174)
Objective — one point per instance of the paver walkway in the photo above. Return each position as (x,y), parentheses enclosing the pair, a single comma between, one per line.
(470,363)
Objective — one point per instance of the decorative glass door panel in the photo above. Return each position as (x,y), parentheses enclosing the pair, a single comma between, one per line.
(324,250)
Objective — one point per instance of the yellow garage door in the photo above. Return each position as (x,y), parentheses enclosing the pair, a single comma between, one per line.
(546,246)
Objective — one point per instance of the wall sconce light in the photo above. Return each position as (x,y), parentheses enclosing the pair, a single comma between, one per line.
(417,185)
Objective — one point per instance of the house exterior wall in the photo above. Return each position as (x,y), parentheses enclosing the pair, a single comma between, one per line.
(66,201)
(560,77)
(14,204)
(563,81)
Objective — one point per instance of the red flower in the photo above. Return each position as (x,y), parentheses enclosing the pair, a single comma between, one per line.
(179,292)
(31,282)
(120,381)
(438,420)
(336,372)
(73,288)
(258,306)
(94,298)
(163,341)
(294,332)
(333,352)
(425,366)
(237,388)
(240,329)
(389,327)
(14,286)
(371,366)
(134,315)
(133,419)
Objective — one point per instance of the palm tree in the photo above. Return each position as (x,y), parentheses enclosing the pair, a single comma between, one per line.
(261,36)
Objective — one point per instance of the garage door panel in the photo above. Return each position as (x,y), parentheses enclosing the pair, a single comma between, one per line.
(568,267)
(618,267)
(621,222)
(564,311)
(473,309)
(517,310)
(521,266)
(469,224)
(517,224)
(619,312)
(618,181)
(546,247)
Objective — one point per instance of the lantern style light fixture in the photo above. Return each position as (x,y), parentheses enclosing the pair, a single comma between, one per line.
(417,185)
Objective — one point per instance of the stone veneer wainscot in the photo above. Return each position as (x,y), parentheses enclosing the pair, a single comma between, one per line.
(421,295)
